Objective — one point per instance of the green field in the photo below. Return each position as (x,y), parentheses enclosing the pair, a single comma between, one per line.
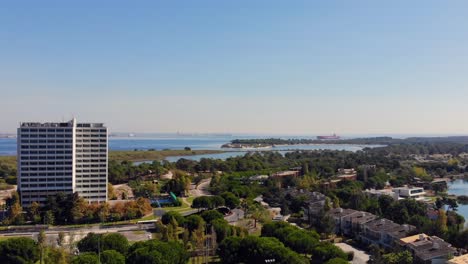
(139,155)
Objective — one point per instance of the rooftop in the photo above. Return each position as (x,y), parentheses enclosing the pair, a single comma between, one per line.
(286,173)
(383,224)
(401,231)
(414,238)
(463,259)
(426,247)
(340,212)
(360,217)
(311,197)
(37,124)
(59,124)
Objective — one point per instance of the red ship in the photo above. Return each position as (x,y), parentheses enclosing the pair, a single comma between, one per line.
(332,137)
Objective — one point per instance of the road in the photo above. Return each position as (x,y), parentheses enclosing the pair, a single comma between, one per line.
(133,232)
(235,215)
(360,257)
(201,189)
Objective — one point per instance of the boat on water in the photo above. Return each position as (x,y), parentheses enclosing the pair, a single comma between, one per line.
(332,137)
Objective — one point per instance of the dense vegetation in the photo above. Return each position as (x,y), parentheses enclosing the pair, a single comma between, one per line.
(145,155)
(280,141)
(358,141)
(72,209)
(231,185)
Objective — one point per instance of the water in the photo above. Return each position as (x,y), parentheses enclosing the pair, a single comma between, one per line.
(195,143)
(460,187)
(280,149)
(8,145)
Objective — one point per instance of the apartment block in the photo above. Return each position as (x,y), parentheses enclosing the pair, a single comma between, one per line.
(63,157)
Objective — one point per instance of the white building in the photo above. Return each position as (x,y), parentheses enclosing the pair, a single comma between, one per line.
(400,193)
(63,157)
(416,193)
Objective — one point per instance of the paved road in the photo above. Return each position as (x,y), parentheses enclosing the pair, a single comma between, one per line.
(133,232)
(360,257)
(202,188)
(236,215)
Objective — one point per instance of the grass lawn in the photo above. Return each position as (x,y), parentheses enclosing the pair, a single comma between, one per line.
(180,209)
(3,238)
(190,199)
(142,155)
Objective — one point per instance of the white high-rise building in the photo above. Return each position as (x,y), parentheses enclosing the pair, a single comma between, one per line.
(63,157)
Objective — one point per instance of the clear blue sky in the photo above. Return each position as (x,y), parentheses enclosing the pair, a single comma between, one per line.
(290,67)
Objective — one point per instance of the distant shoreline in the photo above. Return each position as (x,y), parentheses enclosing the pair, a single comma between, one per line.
(272,142)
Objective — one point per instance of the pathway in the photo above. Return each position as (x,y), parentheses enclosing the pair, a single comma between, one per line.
(360,257)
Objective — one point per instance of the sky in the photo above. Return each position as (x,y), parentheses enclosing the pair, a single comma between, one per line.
(272,67)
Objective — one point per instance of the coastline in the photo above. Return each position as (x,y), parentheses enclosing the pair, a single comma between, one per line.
(140,155)
(270,146)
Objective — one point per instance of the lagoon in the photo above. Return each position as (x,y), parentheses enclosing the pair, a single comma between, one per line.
(460,187)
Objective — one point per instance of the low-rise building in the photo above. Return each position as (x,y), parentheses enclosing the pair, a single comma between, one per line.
(314,203)
(463,259)
(384,232)
(378,193)
(353,224)
(428,249)
(259,178)
(347,174)
(416,193)
(399,193)
(338,214)
(289,173)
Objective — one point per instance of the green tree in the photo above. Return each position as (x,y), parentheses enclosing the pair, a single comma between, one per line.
(41,240)
(61,239)
(167,218)
(337,261)
(115,241)
(49,218)
(211,215)
(112,257)
(19,251)
(86,258)
(327,251)
(258,213)
(222,229)
(100,242)
(230,200)
(403,257)
(461,239)
(15,211)
(34,214)
(155,252)
(441,224)
(111,192)
(56,255)
(193,222)
(256,250)
(90,243)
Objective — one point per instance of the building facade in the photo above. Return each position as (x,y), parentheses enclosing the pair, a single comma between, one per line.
(62,157)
